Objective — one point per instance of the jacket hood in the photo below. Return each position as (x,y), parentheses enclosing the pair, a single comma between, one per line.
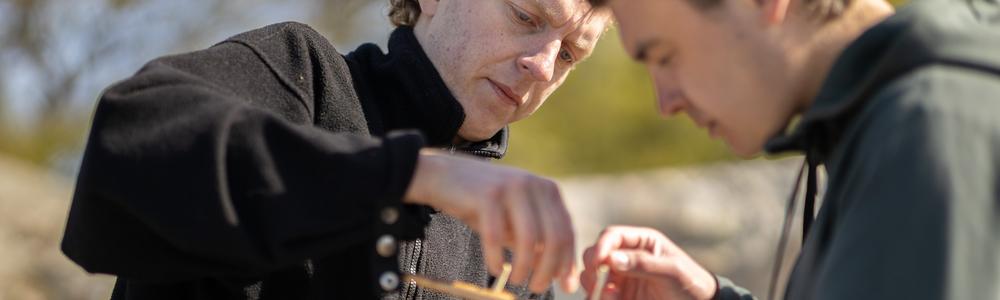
(925,32)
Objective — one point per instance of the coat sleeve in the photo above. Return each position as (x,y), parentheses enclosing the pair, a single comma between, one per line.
(920,213)
(207,164)
(727,290)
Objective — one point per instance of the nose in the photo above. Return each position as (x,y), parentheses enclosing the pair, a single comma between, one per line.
(670,99)
(670,102)
(539,64)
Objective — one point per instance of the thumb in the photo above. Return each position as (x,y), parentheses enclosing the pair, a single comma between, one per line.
(642,264)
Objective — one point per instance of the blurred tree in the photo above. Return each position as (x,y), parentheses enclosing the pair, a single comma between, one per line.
(339,18)
(58,55)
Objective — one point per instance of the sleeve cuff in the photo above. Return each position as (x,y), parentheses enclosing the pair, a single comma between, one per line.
(395,221)
(727,290)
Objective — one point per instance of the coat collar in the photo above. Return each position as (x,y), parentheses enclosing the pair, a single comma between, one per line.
(408,92)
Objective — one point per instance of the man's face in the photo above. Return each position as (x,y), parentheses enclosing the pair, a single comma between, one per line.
(502,58)
(722,66)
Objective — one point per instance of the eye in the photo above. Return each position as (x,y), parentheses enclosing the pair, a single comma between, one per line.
(566,56)
(523,17)
(664,60)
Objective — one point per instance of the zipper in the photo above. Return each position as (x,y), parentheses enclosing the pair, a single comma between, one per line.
(414,261)
(475,152)
(410,290)
(484,154)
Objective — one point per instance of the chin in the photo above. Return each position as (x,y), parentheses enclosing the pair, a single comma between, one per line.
(744,149)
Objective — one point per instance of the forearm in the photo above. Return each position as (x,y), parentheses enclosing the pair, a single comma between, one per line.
(219,186)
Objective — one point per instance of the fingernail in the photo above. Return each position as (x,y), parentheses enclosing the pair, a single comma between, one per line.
(619,261)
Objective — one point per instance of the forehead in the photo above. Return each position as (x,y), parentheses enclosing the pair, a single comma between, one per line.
(577,18)
(562,11)
(642,22)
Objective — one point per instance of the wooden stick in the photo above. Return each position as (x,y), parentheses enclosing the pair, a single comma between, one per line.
(502,280)
(602,279)
(460,289)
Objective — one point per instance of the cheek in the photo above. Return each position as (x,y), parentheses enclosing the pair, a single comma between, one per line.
(454,56)
(540,92)
(708,88)
(753,116)
(461,39)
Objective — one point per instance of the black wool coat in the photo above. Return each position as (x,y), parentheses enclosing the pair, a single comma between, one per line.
(268,167)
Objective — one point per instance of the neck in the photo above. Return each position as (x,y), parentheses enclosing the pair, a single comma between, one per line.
(826,44)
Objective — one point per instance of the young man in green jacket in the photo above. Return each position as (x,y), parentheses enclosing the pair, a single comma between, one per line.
(900,107)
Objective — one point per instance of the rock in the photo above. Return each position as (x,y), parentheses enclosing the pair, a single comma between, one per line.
(33,208)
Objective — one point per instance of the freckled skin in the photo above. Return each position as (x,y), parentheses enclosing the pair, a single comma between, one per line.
(472,43)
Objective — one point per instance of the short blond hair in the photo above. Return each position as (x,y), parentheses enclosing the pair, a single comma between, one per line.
(404,12)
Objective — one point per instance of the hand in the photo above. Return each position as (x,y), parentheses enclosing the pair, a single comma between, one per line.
(508,207)
(644,264)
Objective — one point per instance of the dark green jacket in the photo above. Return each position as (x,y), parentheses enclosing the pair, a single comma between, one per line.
(907,125)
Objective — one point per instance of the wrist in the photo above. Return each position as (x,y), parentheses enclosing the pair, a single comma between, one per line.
(715,287)
(423,174)
(701,283)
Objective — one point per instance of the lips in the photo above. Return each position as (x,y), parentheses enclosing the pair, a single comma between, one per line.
(506,93)
(710,126)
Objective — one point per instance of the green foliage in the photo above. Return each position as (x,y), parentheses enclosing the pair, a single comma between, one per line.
(604,119)
(39,144)
(898,3)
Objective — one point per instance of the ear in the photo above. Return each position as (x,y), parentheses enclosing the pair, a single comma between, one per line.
(428,7)
(773,11)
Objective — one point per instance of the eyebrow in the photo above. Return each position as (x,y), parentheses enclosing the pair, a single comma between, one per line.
(582,45)
(578,44)
(642,51)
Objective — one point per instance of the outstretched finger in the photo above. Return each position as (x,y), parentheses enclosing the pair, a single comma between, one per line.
(609,240)
(521,215)
(570,278)
(641,264)
(557,235)
(491,233)
(625,237)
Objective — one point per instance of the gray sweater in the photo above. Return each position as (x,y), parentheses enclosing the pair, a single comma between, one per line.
(908,127)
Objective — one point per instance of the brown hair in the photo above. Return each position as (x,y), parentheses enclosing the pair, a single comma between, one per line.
(404,12)
(822,9)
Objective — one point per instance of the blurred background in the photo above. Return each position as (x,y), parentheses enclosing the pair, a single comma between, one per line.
(599,135)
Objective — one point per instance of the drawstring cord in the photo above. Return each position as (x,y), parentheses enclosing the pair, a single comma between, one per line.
(809,207)
(807,218)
